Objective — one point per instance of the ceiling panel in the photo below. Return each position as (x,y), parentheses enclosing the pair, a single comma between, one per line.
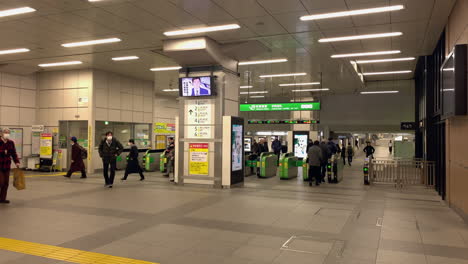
(263,26)
(241,8)
(103,17)
(291,22)
(205,10)
(281,6)
(169,12)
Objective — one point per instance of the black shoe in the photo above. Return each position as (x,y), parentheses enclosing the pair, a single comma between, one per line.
(317,184)
(166,175)
(123,179)
(110,186)
(83,177)
(142,179)
(310,183)
(5,202)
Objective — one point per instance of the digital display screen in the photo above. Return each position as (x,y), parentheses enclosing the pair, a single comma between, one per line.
(196,86)
(237,147)
(300,146)
(302,106)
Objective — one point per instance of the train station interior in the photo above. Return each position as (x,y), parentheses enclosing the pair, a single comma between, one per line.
(233,131)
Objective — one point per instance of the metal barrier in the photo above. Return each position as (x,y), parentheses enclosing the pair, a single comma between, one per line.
(403,172)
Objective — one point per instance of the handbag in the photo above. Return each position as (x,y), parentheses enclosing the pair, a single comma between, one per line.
(18,179)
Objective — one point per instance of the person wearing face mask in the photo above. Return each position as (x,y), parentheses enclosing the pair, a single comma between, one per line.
(132,162)
(109,149)
(77,163)
(7,154)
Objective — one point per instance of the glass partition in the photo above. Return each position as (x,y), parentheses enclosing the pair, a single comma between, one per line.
(123,132)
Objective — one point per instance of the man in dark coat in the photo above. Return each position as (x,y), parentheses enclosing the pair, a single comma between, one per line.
(77,163)
(326,154)
(7,154)
(109,149)
(133,166)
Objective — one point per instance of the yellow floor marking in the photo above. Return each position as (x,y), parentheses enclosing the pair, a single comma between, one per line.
(64,254)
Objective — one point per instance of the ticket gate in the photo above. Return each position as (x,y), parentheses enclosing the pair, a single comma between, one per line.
(250,164)
(162,162)
(151,160)
(267,165)
(288,164)
(121,160)
(305,169)
(366,171)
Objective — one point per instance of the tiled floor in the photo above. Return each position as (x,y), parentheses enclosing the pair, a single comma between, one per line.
(267,221)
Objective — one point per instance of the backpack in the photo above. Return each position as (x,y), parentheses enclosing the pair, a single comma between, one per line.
(84,153)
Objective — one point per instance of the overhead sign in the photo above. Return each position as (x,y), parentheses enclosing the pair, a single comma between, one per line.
(199,118)
(287,121)
(198,159)
(408,126)
(300,106)
(164,128)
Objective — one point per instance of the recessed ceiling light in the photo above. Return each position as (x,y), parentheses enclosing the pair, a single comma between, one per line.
(16,11)
(246,87)
(91,42)
(11,51)
(254,92)
(65,63)
(385,60)
(283,75)
(299,84)
(367,36)
(353,12)
(257,96)
(385,73)
(262,61)
(166,68)
(201,30)
(362,54)
(125,58)
(311,90)
(170,90)
(380,92)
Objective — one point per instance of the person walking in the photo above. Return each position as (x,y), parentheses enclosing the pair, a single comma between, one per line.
(343,154)
(350,153)
(170,154)
(315,158)
(109,149)
(133,166)
(326,154)
(369,150)
(254,147)
(77,163)
(276,147)
(390,147)
(7,154)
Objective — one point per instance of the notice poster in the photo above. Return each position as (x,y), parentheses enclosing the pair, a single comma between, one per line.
(300,146)
(198,159)
(248,144)
(161,142)
(236,147)
(46,145)
(164,128)
(16,135)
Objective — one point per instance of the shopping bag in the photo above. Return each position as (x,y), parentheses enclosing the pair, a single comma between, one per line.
(18,179)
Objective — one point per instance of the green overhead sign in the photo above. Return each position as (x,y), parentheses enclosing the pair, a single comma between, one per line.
(302,106)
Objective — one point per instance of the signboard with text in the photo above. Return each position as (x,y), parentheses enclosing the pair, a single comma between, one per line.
(164,128)
(198,159)
(46,145)
(300,106)
(199,119)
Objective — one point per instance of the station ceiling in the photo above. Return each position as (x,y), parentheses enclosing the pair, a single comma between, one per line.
(273,27)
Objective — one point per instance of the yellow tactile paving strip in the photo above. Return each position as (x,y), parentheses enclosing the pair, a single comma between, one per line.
(64,254)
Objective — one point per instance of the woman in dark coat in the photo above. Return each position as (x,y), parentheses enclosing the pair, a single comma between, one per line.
(132,162)
(77,163)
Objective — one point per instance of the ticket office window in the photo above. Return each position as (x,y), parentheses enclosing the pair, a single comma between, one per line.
(123,132)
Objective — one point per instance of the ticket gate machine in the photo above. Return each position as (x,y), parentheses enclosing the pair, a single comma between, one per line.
(288,164)
(267,165)
(366,171)
(151,160)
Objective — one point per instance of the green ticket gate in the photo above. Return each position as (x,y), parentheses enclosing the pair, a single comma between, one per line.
(151,160)
(268,165)
(162,162)
(250,165)
(288,166)
(305,169)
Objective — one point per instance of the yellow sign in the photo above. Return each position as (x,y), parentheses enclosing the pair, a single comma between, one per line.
(198,159)
(46,145)
(160,142)
(164,128)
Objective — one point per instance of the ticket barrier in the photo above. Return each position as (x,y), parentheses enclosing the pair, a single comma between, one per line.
(250,164)
(366,171)
(305,169)
(162,162)
(151,160)
(334,170)
(288,166)
(267,165)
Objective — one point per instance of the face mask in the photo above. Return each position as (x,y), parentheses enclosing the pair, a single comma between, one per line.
(109,138)
(6,136)
(73,143)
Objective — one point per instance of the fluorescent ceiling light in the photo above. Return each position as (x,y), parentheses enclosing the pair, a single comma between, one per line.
(385,73)
(11,51)
(170,90)
(283,75)
(16,11)
(246,87)
(125,58)
(353,12)
(201,30)
(448,69)
(65,63)
(449,90)
(367,36)
(380,92)
(311,90)
(385,60)
(257,96)
(299,84)
(254,92)
(362,54)
(262,61)
(91,42)
(166,68)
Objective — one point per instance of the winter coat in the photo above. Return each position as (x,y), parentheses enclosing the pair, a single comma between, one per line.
(315,156)
(77,162)
(111,151)
(133,166)
(326,154)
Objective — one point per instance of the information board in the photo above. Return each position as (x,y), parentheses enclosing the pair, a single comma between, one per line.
(236,147)
(164,128)
(199,119)
(301,106)
(16,135)
(46,145)
(198,158)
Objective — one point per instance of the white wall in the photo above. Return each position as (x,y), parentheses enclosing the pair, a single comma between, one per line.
(18,105)
(165,109)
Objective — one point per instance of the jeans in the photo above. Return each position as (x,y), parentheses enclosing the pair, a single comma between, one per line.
(113,164)
(344,160)
(350,159)
(4,182)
